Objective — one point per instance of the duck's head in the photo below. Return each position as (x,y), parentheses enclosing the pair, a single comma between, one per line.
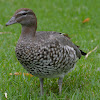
(25,17)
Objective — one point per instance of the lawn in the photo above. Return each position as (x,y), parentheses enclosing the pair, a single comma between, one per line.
(66,16)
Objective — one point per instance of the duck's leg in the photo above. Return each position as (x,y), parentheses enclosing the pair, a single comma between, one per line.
(60,84)
(41,86)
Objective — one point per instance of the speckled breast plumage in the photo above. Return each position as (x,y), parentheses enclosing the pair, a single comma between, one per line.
(50,60)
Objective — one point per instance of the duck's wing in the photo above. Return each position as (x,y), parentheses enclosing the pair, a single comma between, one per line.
(49,36)
(82,52)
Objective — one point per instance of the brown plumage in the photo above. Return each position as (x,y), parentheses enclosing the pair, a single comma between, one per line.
(43,54)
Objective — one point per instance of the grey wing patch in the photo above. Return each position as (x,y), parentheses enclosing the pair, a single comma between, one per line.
(66,42)
(50,36)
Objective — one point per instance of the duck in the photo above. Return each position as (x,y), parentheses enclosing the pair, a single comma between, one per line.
(44,54)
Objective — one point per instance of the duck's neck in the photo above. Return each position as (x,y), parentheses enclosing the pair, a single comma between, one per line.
(28,32)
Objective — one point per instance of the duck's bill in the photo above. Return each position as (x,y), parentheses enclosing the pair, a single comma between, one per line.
(11,21)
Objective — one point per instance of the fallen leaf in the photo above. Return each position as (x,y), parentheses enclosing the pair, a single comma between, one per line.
(10,73)
(27,74)
(18,73)
(86,20)
(91,52)
(4,32)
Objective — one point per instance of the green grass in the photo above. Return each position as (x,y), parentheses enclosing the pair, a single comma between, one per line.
(65,16)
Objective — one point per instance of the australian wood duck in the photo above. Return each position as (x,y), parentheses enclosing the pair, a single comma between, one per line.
(43,54)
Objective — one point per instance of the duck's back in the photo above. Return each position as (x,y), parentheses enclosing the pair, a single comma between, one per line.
(49,54)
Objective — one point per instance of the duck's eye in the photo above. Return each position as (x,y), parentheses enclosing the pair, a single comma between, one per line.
(24,14)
